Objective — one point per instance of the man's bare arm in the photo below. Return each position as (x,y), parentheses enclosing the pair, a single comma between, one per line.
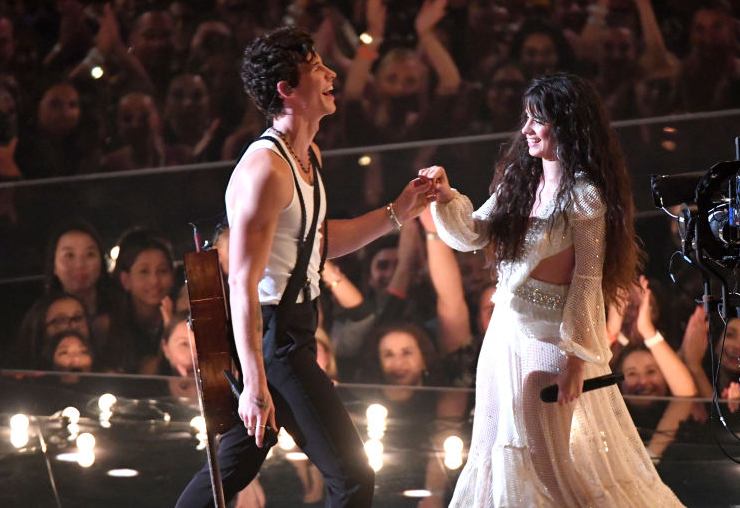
(261,187)
(348,235)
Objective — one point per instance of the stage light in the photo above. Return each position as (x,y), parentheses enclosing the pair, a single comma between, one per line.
(72,414)
(453,444)
(417,493)
(86,458)
(85,442)
(365,160)
(376,415)
(123,473)
(19,422)
(19,437)
(199,424)
(366,38)
(374,452)
(453,448)
(74,430)
(97,72)
(376,412)
(106,401)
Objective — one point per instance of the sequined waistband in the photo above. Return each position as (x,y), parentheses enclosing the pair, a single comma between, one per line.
(542,294)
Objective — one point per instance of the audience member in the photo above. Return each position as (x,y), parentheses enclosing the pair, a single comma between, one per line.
(176,357)
(188,117)
(75,264)
(539,47)
(726,353)
(48,316)
(710,73)
(67,351)
(152,42)
(59,144)
(145,274)
(399,102)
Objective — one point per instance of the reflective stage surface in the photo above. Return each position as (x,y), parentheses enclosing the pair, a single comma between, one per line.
(62,444)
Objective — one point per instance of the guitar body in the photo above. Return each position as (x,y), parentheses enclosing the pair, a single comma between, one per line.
(209,321)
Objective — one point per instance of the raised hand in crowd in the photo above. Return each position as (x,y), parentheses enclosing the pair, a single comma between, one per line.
(732,393)
(693,348)
(429,16)
(676,373)
(344,291)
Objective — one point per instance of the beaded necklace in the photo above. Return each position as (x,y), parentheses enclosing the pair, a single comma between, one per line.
(282,136)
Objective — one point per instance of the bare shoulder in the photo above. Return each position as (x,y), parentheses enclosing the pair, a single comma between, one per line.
(261,175)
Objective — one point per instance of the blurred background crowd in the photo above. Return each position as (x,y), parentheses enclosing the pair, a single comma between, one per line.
(120,122)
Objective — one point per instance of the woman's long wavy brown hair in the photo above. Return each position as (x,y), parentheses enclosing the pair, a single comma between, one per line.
(585,143)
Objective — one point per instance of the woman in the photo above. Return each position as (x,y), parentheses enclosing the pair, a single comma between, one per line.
(175,358)
(67,351)
(560,207)
(75,264)
(145,272)
(48,316)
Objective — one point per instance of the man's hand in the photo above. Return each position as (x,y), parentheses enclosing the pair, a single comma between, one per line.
(413,199)
(257,411)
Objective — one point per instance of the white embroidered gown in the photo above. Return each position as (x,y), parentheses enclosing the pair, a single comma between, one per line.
(523,452)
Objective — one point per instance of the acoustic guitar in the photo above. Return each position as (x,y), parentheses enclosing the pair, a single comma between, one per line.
(212,355)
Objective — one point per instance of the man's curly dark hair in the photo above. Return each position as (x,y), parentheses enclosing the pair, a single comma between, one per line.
(272,58)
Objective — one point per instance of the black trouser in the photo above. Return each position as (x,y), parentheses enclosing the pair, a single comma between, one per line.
(307,406)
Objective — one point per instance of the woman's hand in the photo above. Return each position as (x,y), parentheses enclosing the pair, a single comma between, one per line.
(645,325)
(570,380)
(442,192)
(695,338)
(166,310)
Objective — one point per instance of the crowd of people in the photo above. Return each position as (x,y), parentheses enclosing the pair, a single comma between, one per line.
(131,85)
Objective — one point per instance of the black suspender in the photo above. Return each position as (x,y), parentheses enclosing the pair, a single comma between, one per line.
(299,277)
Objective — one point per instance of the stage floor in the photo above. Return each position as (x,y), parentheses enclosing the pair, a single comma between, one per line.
(146,447)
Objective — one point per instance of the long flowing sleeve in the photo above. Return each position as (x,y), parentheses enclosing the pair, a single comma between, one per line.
(583,327)
(461,228)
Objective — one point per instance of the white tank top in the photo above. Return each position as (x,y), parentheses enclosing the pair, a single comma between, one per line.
(284,252)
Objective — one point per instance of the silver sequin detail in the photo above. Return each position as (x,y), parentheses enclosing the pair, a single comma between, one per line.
(539,297)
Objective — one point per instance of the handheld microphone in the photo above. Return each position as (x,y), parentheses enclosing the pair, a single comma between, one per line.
(550,393)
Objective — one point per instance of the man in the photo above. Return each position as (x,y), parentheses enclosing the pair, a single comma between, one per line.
(269,205)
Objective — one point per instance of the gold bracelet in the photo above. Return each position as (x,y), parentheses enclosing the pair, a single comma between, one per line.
(392,216)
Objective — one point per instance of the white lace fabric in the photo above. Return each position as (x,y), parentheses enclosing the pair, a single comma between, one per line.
(525,452)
